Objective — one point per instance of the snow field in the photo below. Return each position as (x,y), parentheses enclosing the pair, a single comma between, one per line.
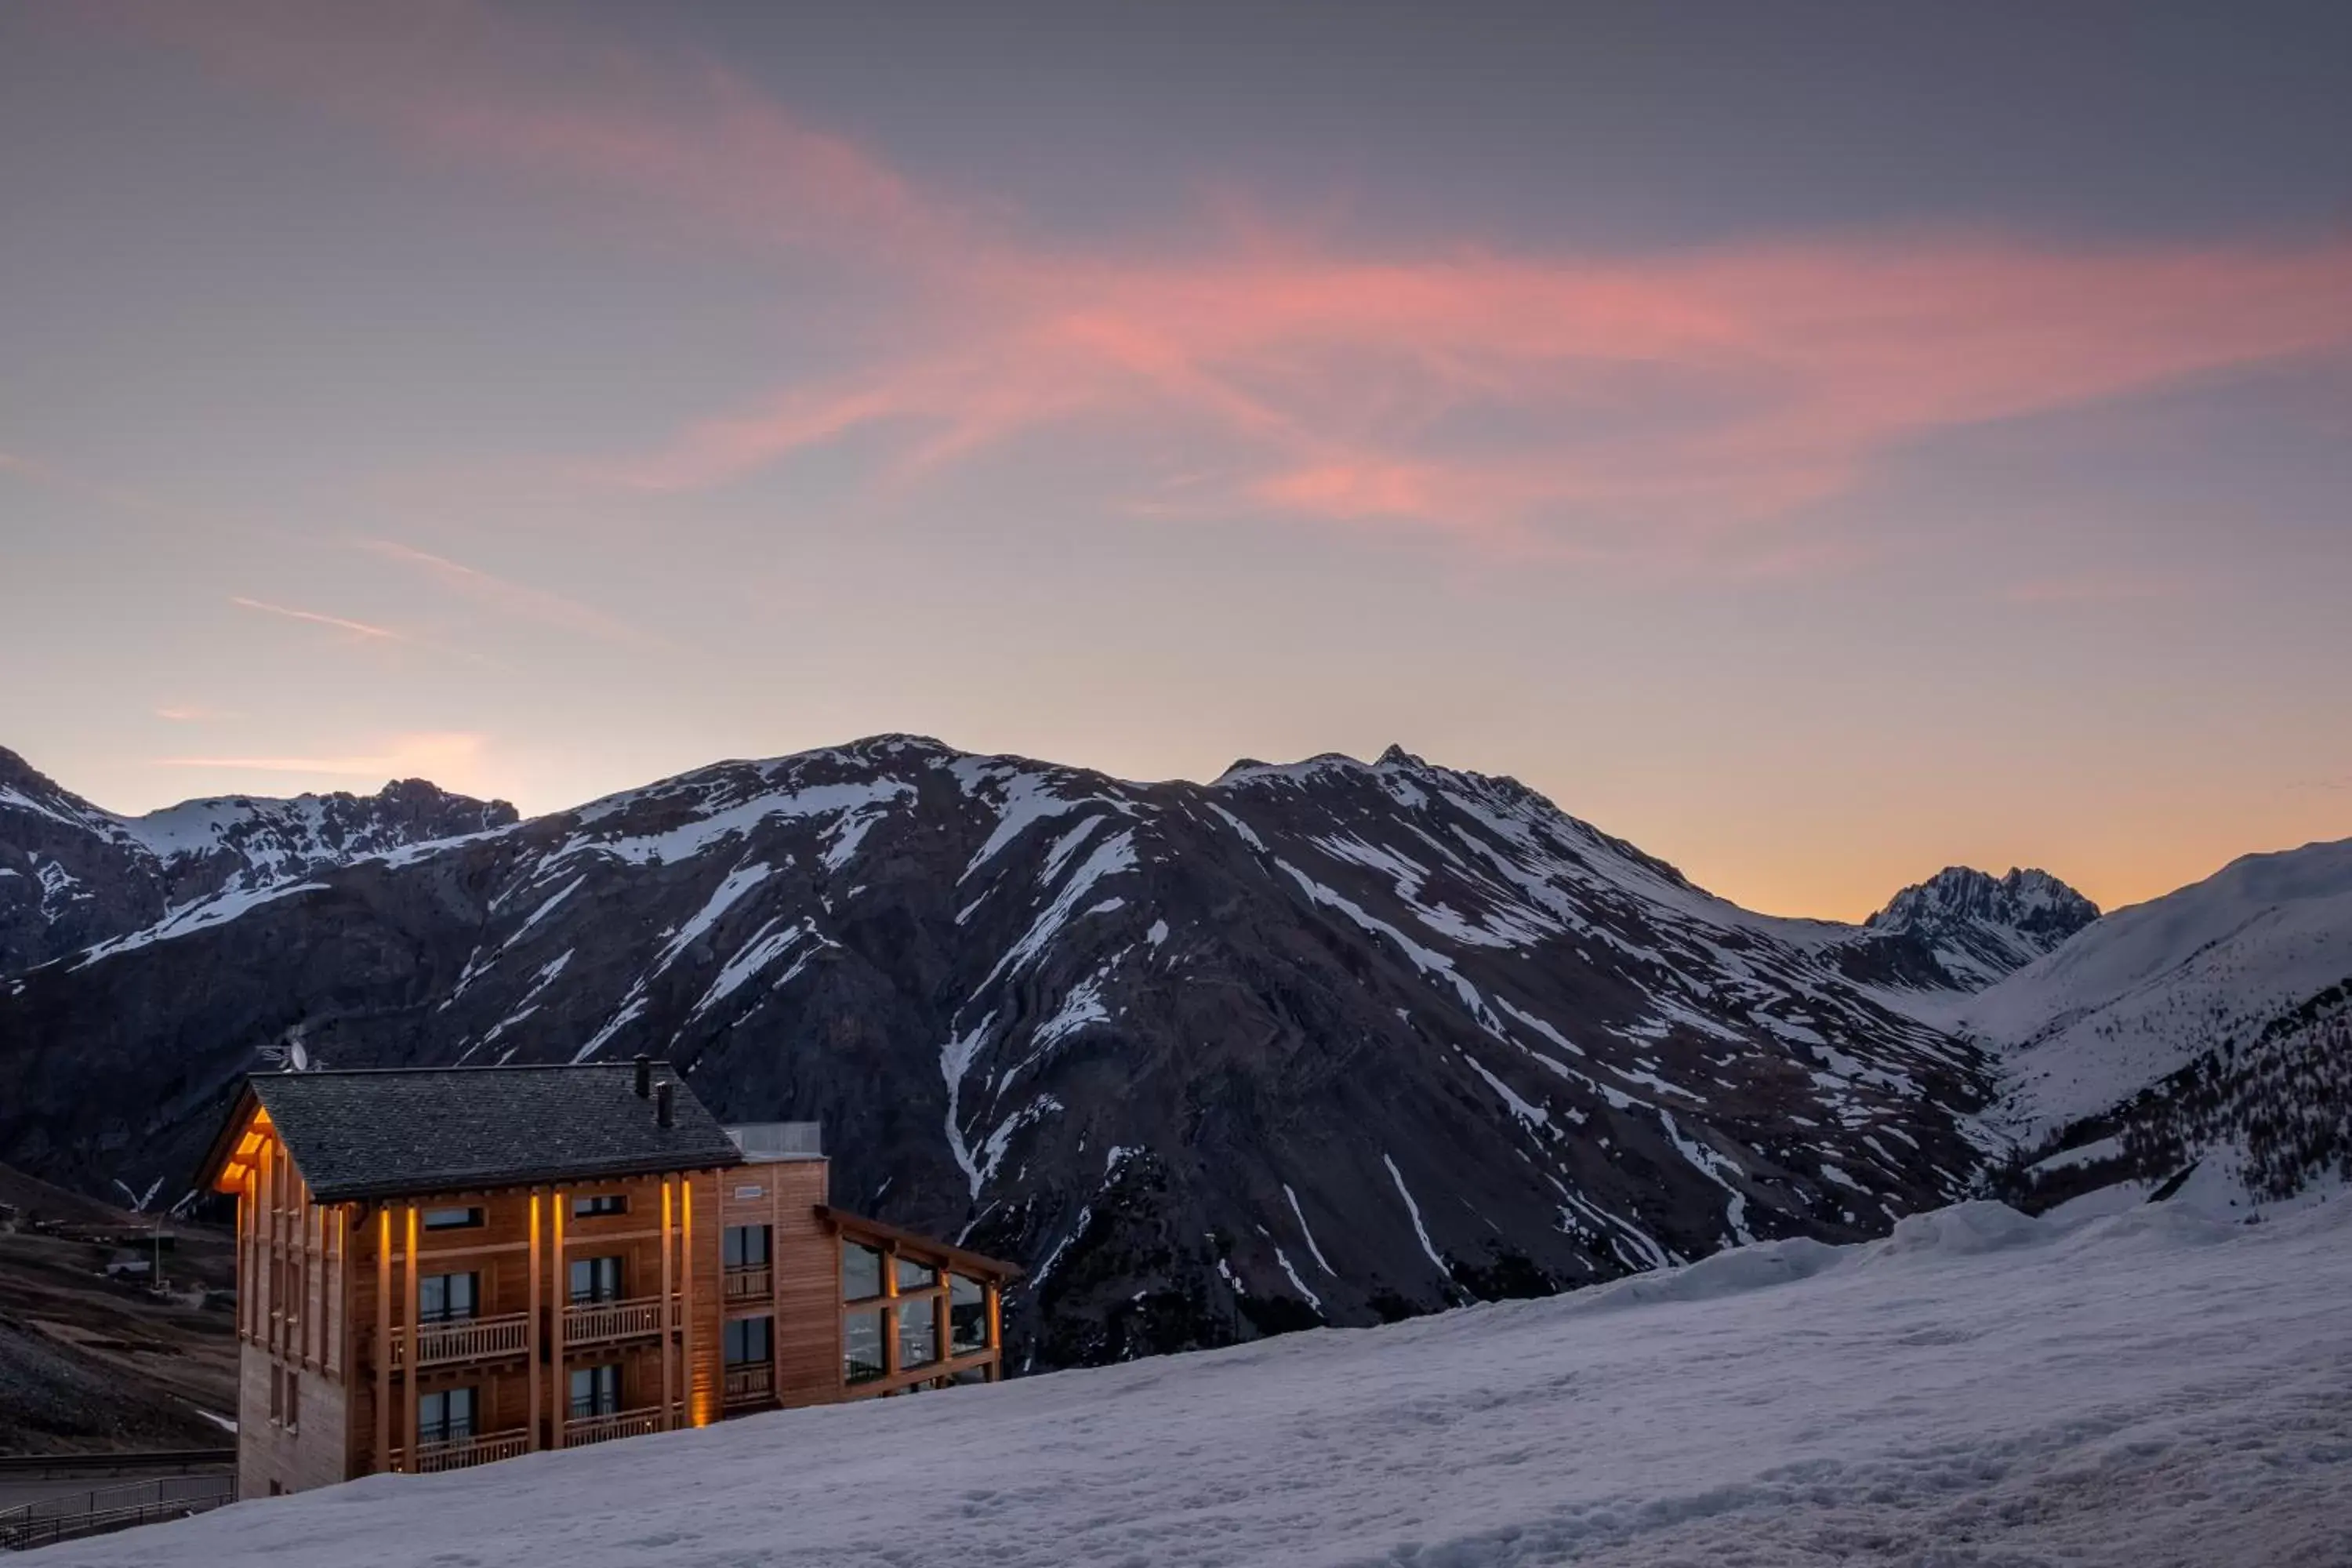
(1979,1389)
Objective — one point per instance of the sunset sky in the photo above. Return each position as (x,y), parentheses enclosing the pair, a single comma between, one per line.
(1820,443)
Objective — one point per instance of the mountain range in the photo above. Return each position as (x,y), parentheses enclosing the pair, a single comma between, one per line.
(1320,1042)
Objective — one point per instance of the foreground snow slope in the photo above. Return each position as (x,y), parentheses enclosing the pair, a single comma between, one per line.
(1979,1389)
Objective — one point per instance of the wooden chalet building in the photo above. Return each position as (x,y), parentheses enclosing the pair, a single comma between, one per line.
(443,1267)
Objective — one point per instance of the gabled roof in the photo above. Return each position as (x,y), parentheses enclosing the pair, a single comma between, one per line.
(379,1133)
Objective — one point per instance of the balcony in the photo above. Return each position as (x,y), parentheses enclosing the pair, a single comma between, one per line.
(591,1322)
(463,1339)
(463,1453)
(751,1383)
(583,1430)
(749,1282)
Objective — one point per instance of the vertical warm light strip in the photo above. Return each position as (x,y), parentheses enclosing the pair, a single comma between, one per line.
(531,1329)
(995,1333)
(411,1291)
(562,1396)
(668,1389)
(383,1340)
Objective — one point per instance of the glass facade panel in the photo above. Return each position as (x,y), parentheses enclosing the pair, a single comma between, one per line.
(603,1202)
(597,1391)
(595,1279)
(746,1246)
(750,1341)
(451,1219)
(861,1272)
(967,1315)
(918,1331)
(914,1276)
(861,1342)
(447,1298)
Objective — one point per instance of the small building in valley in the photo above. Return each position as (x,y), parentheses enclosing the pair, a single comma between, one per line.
(439,1267)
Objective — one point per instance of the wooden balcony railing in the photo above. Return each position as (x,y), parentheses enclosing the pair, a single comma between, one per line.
(588,1323)
(747,1282)
(463,1339)
(460,1453)
(583,1430)
(755,1379)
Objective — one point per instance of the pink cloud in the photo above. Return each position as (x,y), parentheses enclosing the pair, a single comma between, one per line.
(1686,403)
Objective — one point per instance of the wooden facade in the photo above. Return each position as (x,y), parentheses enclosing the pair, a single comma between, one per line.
(438,1330)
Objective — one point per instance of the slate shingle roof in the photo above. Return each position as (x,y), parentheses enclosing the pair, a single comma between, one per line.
(380,1133)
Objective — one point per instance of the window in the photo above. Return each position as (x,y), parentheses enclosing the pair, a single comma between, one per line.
(861,1272)
(597,1391)
(447,1298)
(746,1246)
(603,1202)
(861,1342)
(452,1219)
(293,1399)
(750,1341)
(444,1417)
(596,1279)
(914,1276)
(276,1393)
(918,1331)
(967,1315)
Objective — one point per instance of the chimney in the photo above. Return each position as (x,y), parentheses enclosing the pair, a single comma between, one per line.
(644,1077)
(666,1105)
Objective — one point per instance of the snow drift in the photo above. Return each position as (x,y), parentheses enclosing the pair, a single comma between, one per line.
(1978,1388)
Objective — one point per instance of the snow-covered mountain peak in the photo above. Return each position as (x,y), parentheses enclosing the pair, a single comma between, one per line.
(1979,927)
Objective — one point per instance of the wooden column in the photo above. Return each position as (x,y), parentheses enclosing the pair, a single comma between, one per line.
(383,1340)
(531,1329)
(265,1302)
(561,1399)
(996,1334)
(890,1311)
(668,1343)
(686,1288)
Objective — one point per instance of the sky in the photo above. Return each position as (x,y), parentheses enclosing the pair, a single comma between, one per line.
(1818,443)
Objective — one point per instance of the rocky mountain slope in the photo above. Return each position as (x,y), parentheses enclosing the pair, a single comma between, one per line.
(1324,1042)
(72,875)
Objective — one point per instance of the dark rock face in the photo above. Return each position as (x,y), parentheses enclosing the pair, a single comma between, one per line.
(72,876)
(1327,1042)
(1963,929)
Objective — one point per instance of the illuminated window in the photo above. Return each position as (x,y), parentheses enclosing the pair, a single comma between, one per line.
(967,1315)
(750,1341)
(746,1246)
(861,1272)
(452,1219)
(447,1298)
(918,1331)
(597,1391)
(595,1279)
(861,1340)
(914,1276)
(444,1417)
(602,1203)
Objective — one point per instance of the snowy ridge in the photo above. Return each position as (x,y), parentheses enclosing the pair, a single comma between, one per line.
(2137,995)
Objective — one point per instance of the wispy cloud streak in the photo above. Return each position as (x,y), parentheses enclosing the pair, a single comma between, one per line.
(357,628)
(515,600)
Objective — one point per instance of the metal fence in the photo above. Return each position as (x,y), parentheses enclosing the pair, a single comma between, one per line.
(67,1516)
